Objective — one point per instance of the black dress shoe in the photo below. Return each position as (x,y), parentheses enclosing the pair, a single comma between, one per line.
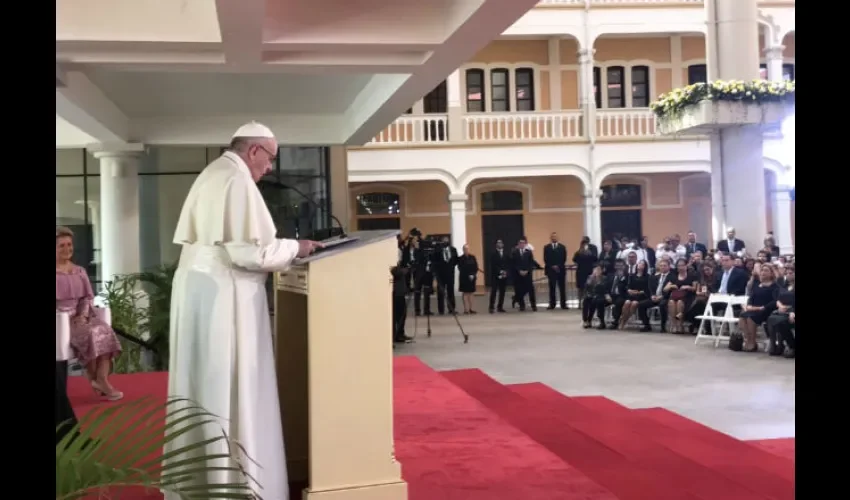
(601,326)
(550,308)
(501,310)
(645,329)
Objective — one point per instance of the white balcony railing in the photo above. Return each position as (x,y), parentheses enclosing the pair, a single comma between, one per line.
(625,123)
(415,129)
(614,2)
(522,126)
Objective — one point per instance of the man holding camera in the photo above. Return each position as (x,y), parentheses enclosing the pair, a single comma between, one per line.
(444,258)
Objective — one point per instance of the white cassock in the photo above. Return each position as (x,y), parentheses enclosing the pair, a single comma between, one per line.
(221,340)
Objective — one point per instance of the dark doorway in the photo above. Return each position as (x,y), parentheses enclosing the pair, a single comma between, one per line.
(508,228)
(624,222)
(378,224)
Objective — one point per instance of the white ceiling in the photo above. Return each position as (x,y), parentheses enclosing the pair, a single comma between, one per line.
(315,71)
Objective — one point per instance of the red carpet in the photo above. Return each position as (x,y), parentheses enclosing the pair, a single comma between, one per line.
(463,436)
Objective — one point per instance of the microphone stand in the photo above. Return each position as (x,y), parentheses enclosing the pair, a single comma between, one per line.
(315,206)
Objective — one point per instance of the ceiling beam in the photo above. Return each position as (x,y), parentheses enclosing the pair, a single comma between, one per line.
(80,103)
(481,26)
(241,25)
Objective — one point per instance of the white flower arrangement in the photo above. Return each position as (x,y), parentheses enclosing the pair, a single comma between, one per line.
(674,102)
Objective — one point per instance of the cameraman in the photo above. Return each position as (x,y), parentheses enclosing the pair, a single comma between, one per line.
(418,263)
(400,290)
(445,263)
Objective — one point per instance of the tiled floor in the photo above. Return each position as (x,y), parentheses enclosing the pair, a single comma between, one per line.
(750,396)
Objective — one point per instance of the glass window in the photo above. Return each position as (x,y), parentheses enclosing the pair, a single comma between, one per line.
(640,86)
(495,201)
(70,161)
(378,204)
(525,89)
(597,89)
(436,101)
(499,87)
(616,94)
(621,195)
(474,90)
(697,73)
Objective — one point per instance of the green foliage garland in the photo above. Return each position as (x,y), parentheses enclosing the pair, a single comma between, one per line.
(676,101)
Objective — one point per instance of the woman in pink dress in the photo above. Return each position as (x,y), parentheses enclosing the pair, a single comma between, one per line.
(93,341)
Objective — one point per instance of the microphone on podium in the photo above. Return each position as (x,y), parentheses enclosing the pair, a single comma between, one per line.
(324,234)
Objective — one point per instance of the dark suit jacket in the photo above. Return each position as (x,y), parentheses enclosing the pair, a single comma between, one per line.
(737,284)
(499,264)
(696,247)
(584,262)
(650,257)
(608,259)
(622,285)
(446,270)
(653,284)
(723,245)
(555,257)
(524,261)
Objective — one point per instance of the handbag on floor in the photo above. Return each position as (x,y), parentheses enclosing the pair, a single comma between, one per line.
(736,342)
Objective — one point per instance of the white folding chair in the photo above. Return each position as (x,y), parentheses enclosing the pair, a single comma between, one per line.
(63,336)
(717,323)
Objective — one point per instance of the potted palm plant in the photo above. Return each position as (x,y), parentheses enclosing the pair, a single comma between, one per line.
(118,447)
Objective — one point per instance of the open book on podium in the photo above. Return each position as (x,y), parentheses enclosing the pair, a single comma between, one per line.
(333,351)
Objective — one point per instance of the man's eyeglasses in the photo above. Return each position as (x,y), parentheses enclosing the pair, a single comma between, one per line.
(272,156)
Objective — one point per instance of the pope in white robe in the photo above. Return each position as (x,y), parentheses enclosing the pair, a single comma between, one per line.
(221,341)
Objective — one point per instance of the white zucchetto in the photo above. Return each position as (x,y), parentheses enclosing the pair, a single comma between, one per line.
(253,129)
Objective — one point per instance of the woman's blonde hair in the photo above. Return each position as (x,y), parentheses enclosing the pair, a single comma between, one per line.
(62,231)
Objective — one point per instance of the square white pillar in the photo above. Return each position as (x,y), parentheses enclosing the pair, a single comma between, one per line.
(593,216)
(773,58)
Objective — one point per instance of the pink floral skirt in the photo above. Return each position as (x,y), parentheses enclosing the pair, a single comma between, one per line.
(93,340)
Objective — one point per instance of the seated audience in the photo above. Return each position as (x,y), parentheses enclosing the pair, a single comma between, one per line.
(636,288)
(608,256)
(682,292)
(706,285)
(755,275)
(594,287)
(760,305)
(93,341)
(770,247)
(615,295)
(781,324)
(658,294)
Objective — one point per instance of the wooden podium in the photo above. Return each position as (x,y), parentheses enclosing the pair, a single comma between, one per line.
(333,351)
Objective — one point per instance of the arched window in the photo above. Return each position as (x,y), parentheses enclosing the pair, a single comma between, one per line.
(621,195)
(378,204)
(378,210)
(500,89)
(640,86)
(616,76)
(501,201)
(524,78)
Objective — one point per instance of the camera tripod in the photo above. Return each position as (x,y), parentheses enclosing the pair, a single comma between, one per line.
(429,290)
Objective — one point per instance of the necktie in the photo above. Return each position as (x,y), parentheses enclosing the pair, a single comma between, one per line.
(660,289)
(614,285)
(500,253)
(446,254)
(724,281)
(554,246)
(631,269)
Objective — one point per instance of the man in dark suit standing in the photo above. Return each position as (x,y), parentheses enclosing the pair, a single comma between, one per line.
(555,260)
(659,294)
(524,264)
(445,263)
(499,267)
(584,259)
(693,246)
(731,244)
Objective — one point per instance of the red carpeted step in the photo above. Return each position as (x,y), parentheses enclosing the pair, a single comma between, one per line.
(626,479)
(618,433)
(719,457)
(453,448)
(781,447)
(745,453)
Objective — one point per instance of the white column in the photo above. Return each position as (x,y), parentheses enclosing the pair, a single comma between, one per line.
(457,211)
(454,108)
(718,204)
(782,219)
(732,45)
(588,100)
(555,74)
(593,216)
(773,58)
(119,212)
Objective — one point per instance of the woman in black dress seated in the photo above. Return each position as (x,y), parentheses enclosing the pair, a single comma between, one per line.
(467,266)
(706,285)
(593,287)
(636,291)
(684,287)
(761,303)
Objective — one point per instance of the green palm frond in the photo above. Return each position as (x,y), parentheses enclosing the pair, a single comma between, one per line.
(119,446)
